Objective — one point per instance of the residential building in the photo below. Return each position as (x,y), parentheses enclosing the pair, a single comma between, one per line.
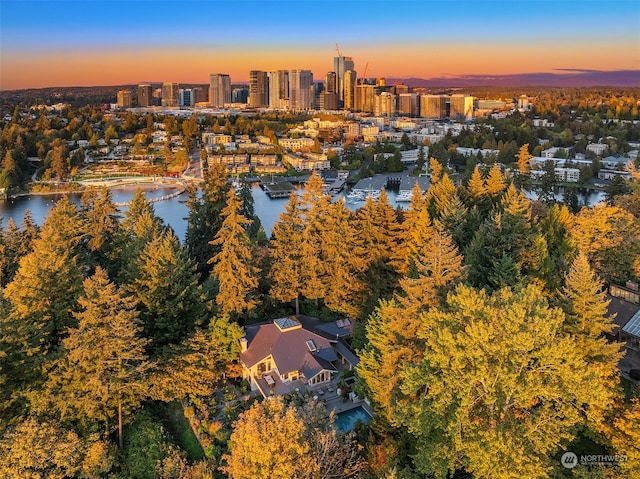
(284,356)
(144,95)
(624,309)
(300,83)
(170,94)
(258,89)
(219,90)
(555,150)
(611,174)
(307,161)
(296,143)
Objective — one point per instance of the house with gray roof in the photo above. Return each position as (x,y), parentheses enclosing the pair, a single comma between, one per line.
(282,356)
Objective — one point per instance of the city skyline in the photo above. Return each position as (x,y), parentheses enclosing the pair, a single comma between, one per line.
(47,44)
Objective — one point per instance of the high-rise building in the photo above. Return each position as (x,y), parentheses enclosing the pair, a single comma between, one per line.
(300,83)
(433,106)
(144,95)
(199,95)
(279,89)
(342,64)
(461,107)
(125,99)
(408,104)
(399,88)
(240,95)
(349,84)
(170,94)
(187,98)
(219,90)
(330,81)
(385,104)
(364,98)
(156,97)
(258,89)
(317,87)
(328,100)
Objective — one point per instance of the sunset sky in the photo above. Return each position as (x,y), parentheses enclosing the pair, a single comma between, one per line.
(87,42)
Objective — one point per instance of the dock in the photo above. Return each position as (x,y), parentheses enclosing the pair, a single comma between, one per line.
(278,189)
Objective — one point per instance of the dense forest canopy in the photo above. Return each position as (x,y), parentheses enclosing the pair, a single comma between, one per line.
(479,316)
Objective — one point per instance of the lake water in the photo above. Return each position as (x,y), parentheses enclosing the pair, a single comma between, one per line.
(174,211)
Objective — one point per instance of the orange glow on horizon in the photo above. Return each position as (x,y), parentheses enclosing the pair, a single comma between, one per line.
(35,70)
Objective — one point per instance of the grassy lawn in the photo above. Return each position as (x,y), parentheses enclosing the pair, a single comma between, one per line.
(178,426)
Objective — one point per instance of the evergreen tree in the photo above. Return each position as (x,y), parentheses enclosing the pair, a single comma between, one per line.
(585,307)
(476,188)
(523,178)
(194,367)
(205,217)
(496,183)
(315,203)
(101,223)
(167,291)
(507,233)
(43,294)
(377,241)
(103,372)
(599,231)
(343,268)
(435,267)
(233,265)
(439,195)
(286,244)
(138,228)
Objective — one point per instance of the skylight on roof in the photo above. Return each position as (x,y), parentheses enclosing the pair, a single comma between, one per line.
(311,345)
(284,324)
(633,325)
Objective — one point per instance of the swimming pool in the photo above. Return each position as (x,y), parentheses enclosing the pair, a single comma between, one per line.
(346,420)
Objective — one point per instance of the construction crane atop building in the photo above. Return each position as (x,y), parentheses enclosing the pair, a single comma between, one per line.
(364,75)
(338,50)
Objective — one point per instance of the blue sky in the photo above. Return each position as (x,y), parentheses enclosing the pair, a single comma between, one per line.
(424,38)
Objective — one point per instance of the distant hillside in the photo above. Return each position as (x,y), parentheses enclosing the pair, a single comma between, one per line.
(560,78)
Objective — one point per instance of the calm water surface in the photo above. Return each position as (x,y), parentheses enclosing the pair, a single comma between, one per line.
(174,211)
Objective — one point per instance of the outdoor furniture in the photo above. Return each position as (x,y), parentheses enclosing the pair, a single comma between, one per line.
(269,380)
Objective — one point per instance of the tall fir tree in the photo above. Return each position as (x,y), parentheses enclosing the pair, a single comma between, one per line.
(167,290)
(138,228)
(315,204)
(585,306)
(287,269)
(205,217)
(42,296)
(101,223)
(233,266)
(344,288)
(103,373)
